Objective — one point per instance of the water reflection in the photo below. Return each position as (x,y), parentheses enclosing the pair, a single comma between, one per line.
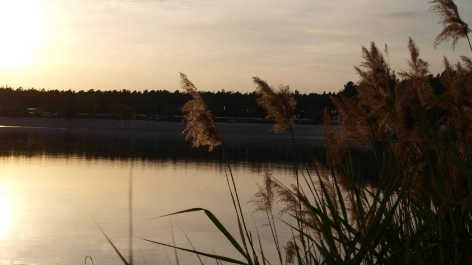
(256,150)
(59,179)
(142,145)
(5,213)
(56,200)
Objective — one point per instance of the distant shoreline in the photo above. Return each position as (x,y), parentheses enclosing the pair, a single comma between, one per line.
(161,127)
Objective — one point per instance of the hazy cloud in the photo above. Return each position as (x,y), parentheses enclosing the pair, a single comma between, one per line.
(310,45)
(403,14)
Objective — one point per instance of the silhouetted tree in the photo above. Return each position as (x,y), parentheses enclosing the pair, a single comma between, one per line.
(350,89)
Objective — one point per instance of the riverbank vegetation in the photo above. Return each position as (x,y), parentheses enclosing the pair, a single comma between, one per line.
(420,211)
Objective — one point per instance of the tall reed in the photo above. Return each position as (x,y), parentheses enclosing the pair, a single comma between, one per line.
(454,27)
(421,210)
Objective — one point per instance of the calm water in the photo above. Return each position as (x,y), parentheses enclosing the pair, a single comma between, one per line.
(55,182)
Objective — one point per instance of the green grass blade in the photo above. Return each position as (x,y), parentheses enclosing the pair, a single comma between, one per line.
(217,223)
(173,242)
(241,234)
(188,239)
(221,258)
(144,259)
(262,249)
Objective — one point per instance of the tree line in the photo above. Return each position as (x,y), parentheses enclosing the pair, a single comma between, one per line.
(126,104)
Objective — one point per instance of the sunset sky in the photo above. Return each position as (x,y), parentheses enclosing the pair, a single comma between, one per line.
(311,45)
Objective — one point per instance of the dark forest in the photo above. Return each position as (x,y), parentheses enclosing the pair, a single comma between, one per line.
(155,104)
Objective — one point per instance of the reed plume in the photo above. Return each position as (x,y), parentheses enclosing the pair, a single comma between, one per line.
(202,129)
(328,181)
(414,96)
(457,99)
(263,199)
(454,27)
(336,149)
(290,252)
(279,104)
(356,122)
(417,76)
(290,200)
(200,124)
(376,96)
(377,88)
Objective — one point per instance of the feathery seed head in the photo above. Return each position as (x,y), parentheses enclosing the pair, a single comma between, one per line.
(417,76)
(290,252)
(263,200)
(335,147)
(200,125)
(454,27)
(279,104)
(355,120)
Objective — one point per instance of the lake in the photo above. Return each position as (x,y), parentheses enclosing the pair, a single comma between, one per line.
(55,183)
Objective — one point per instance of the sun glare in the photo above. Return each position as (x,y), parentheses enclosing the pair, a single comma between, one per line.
(21,30)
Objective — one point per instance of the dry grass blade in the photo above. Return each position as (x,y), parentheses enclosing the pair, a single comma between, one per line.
(173,242)
(167,257)
(454,27)
(130,208)
(113,245)
(200,124)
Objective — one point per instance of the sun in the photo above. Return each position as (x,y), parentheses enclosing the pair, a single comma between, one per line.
(21,31)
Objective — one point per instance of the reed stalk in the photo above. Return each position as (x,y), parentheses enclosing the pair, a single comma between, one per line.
(420,211)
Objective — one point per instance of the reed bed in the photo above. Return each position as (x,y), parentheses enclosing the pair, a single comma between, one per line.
(420,212)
